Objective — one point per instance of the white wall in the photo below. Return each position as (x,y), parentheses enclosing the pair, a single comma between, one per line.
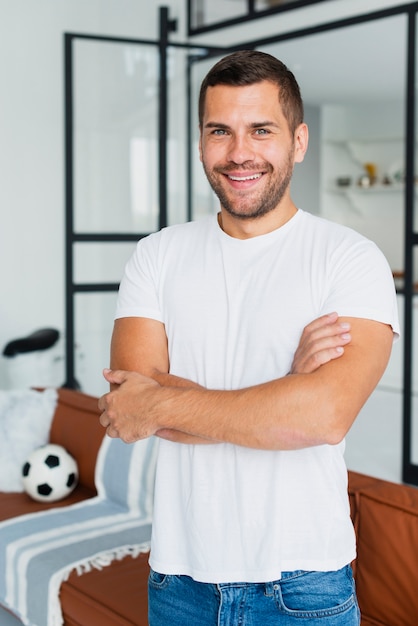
(306,175)
(31,134)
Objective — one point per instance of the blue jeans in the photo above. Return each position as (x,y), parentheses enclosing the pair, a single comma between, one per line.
(314,598)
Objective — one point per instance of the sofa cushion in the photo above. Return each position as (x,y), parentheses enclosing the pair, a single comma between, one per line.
(14,504)
(25,422)
(37,552)
(112,596)
(76,426)
(387,541)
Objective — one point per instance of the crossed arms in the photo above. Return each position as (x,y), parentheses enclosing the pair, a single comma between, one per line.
(337,365)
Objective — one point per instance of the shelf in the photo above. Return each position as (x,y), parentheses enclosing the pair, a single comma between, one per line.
(373,189)
(365,140)
(386,153)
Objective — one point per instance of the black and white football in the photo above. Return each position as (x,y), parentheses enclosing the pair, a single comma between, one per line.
(50,473)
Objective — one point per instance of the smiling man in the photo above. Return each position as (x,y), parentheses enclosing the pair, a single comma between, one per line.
(249,159)
(215,352)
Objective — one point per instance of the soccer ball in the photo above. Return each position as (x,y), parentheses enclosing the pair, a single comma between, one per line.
(50,473)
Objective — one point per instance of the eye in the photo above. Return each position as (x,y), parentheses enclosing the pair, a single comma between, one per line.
(262,131)
(219,132)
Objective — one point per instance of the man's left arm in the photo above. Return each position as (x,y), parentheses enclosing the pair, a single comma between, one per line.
(297,411)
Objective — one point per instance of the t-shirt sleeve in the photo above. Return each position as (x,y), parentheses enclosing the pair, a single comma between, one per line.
(362,285)
(138,291)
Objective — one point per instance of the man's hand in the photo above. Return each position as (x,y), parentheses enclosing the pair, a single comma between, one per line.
(322,341)
(121,414)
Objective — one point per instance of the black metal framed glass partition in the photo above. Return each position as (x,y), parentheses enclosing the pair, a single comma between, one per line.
(361,112)
(410,399)
(206,15)
(112,185)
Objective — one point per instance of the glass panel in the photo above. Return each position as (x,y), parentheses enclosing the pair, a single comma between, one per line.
(177,60)
(210,12)
(115,137)
(94,314)
(205,12)
(414,365)
(356,123)
(415,211)
(204,201)
(100,262)
(355,119)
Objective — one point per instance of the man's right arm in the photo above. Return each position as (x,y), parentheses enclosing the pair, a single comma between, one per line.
(139,344)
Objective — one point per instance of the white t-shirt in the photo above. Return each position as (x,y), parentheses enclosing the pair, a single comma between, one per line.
(234,311)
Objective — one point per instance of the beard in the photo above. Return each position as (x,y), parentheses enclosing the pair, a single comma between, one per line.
(244,205)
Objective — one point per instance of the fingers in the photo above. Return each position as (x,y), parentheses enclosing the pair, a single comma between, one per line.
(104,406)
(322,341)
(115,377)
(326,325)
(112,432)
(324,320)
(328,329)
(127,410)
(104,419)
(122,408)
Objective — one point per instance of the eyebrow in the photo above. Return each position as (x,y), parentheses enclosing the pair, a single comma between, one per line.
(216,125)
(252,125)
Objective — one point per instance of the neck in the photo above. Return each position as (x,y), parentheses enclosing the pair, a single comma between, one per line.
(254,227)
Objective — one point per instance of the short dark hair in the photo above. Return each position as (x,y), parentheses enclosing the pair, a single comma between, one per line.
(247,67)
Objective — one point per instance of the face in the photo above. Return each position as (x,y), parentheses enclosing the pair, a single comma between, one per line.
(247,149)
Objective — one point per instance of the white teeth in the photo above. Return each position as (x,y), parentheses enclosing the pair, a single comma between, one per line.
(241,178)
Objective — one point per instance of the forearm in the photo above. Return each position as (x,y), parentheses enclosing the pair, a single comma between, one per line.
(296,411)
(170,380)
(288,413)
(281,414)
(243,417)
(321,342)
(263,416)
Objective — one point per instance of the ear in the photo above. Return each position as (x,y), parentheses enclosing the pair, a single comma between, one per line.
(301,142)
(200,145)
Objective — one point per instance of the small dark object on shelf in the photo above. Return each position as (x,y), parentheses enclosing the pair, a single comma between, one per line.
(343,181)
(38,340)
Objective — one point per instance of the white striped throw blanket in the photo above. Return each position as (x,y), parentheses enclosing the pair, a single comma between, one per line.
(38,551)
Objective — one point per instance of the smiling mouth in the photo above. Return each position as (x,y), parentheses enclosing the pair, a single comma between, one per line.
(245,178)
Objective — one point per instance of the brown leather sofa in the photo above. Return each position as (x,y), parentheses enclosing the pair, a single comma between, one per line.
(115,595)
(385,517)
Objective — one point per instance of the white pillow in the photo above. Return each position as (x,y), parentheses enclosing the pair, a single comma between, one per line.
(25,422)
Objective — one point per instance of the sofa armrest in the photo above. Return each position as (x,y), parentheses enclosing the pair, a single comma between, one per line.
(386,523)
(76,427)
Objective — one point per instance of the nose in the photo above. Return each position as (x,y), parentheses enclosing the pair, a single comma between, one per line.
(240,149)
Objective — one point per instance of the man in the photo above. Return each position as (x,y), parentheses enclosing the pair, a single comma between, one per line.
(209,353)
